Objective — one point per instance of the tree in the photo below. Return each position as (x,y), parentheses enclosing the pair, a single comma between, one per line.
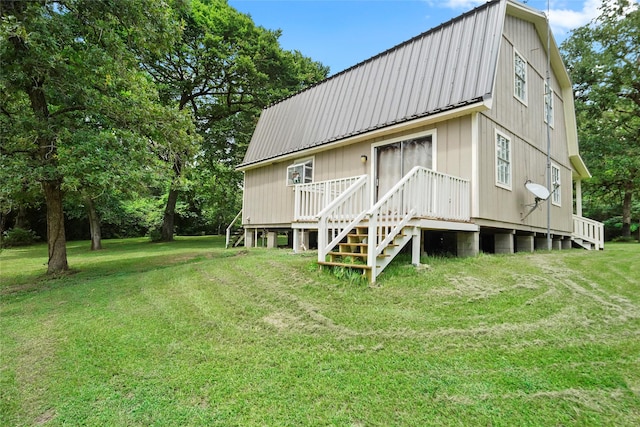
(223,67)
(65,62)
(603,59)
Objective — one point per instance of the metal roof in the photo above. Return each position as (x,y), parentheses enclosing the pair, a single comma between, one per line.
(446,67)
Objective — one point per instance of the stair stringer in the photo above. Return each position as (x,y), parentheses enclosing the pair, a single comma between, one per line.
(390,252)
(583,244)
(387,244)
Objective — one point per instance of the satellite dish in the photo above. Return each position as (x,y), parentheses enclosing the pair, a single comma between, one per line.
(540,191)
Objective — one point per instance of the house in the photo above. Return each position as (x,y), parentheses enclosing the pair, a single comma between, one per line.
(439,141)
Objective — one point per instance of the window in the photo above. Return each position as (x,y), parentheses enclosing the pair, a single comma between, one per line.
(300,173)
(520,77)
(548,104)
(555,185)
(503,161)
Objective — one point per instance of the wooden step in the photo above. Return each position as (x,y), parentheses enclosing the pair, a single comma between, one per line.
(346,254)
(344,264)
(360,245)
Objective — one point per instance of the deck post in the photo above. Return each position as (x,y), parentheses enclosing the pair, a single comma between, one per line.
(566,243)
(503,243)
(249,241)
(415,246)
(296,238)
(556,245)
(468,243)
(272,239)
(541,243)
(300,240)
(525,243)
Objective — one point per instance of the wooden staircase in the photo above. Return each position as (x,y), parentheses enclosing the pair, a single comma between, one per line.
(236,237)
(354,251)
(235,232)
(356,235)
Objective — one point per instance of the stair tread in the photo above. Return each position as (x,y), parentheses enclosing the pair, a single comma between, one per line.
(344,264)
(360,255)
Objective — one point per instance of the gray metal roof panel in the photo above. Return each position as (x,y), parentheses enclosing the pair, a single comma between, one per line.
(448,66)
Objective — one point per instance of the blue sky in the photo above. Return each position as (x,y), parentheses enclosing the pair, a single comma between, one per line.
(341,33)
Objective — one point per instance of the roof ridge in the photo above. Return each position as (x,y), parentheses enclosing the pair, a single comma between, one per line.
(391,49)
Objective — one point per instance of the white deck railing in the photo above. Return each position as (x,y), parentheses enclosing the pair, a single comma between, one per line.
(421,193)
(589,230)
(312,198)
(342,215)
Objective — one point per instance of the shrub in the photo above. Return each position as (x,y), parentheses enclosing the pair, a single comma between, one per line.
(18,237)
(623,239)
(155,235)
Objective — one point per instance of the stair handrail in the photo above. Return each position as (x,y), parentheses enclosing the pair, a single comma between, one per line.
(229,228)
(398,215)
(347,223)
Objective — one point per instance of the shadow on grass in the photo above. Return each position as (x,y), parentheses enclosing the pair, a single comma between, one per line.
(23,269)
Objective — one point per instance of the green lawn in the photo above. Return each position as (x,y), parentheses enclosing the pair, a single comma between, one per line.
(189,333)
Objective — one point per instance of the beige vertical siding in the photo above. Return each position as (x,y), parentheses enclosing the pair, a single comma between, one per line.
(525,125)
(268,201)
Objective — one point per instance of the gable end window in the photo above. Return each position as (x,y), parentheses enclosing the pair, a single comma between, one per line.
(520,77)
(555,185)
(548,104)
(300,173)
(503,161)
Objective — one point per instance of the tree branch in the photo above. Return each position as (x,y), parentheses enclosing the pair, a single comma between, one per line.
(68,110)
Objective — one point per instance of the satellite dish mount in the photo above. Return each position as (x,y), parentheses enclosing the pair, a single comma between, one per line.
(540,192)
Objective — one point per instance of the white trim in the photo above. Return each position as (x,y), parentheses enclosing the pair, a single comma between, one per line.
(412,124)
(301,162)
(506,186)
(556,193)
(434,151)
(578,197)
(244,200)
(524,100)
(475,169)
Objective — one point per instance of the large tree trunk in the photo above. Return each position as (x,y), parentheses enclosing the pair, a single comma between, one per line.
(94,226)
(626,214)
(169,216)
(21,218)
(168,221)
(55,228)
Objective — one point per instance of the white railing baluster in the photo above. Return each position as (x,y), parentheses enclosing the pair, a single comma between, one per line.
(590,230)
(311,198)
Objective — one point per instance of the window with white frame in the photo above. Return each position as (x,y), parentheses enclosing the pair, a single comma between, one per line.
(503,160)
(548,104)
(555,185)
(520,77)
(300,173)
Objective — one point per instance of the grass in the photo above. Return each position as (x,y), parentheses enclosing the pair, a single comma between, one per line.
(189,333)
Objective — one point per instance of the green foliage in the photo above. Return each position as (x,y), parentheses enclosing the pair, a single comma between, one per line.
(76,109)
(222,71)
(189,333)
(18,237)
(602,58)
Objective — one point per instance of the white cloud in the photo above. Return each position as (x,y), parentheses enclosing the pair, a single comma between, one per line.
(458,4)
(563,20)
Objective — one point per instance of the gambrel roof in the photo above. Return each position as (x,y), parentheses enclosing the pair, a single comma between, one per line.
(448,67)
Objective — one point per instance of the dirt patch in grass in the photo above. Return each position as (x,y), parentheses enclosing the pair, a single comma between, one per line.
(45,417)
